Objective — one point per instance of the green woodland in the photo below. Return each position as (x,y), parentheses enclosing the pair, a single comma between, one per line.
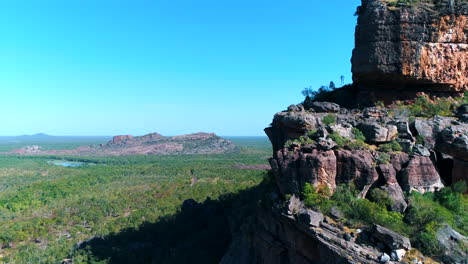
(46,210)
(128,209)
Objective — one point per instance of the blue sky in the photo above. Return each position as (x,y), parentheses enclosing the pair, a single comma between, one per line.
(106,67)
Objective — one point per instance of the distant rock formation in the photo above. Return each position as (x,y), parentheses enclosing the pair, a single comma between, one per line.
(154,143)
(401,50)
(123,138)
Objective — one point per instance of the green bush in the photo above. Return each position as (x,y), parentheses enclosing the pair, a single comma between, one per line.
(312,133)
(390,147)
(329,119)
(358,135)
(420,140)
(423,210)
(383,158)
(358,144)
(424,107)
(339,140)
(380,197)
(345,193)
(303,140)
(451,199)
(317,199)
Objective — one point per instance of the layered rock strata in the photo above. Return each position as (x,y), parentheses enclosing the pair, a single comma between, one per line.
(402,50)
(299,156)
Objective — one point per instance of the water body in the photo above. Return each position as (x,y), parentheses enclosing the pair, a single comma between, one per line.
(66,163)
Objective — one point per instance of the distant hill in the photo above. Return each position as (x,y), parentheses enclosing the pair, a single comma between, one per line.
(154,143)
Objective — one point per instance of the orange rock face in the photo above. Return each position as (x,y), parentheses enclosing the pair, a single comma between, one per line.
(410,49)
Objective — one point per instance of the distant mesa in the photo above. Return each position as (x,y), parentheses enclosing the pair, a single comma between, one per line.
(37,135)
(153,143)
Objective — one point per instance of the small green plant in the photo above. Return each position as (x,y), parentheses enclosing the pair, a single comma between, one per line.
(380,197)
(424,107)
(317,198)
(358,135)
(390,147)
(358,144)
(303,140)
(329,119)
(339,140)
(420,140)
(383,158)
(311,133)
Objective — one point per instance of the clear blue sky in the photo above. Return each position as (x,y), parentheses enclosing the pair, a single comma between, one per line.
(106,67)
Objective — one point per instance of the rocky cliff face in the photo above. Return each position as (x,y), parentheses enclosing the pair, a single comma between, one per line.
(306,150)
(402,50)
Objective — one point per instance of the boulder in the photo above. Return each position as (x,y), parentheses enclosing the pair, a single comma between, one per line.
(398,254)
(293,108)
(292,169)
(430,128)
(356,166)
(453,141)
(310,218)
(390,238)
(326,143)
(406,145)
(399,161)
(384,258)
(397,196)
(388,173)
(375,133)
(322,107)
(454,245)
(290,125)
(344,130)
(403,129)
(420,175)
(296,121)
(318,168)
(336,213)
(420,150)
(294,205)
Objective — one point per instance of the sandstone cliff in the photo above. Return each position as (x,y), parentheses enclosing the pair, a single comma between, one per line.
(401,50)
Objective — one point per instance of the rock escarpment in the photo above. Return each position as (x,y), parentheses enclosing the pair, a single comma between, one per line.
(419,163)
(401,50)
(288,232)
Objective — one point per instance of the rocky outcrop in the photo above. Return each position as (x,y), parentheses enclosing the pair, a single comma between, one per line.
(420,175)
(391,239)
(376,133)
(453,245)
(356,167)
(122,138)
(278,235)
(294,168)
(314,157)
(154,143)
(402,50)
